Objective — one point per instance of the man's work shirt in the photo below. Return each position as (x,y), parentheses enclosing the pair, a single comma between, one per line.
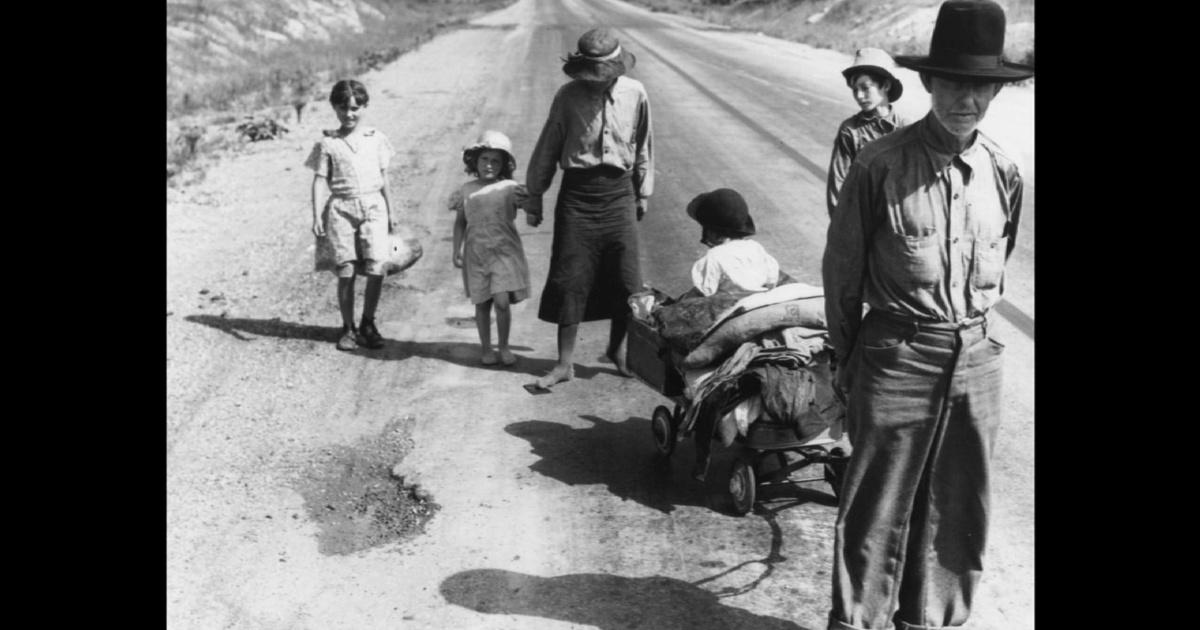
(586,129)
(920,231)
(855,132)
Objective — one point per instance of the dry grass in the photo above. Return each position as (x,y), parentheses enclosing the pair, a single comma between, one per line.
(197,80)
(208,99)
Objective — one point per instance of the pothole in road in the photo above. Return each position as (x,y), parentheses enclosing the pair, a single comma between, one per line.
(350,492)
(461,322)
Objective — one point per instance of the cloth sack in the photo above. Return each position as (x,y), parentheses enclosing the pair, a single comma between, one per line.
(405,251)
(683,323)
(726,337)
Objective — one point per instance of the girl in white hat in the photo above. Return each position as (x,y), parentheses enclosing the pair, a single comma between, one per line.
(486,244)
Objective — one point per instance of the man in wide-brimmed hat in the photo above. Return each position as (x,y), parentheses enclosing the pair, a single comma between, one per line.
(598,132)
(875,87)
(924,225)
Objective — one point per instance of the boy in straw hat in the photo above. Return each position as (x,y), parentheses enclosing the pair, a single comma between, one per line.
(598,132)
(875,88)
(925,222)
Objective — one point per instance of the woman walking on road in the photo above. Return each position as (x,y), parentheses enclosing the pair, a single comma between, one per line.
(598,132)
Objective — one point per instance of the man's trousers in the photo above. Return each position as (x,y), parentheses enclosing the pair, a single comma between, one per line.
(923,410)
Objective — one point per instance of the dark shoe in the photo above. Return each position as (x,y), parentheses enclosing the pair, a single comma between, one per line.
(368,335)
(348,340)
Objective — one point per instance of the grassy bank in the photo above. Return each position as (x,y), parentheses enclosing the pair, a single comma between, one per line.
(238,69)
(897,26)
(232,54)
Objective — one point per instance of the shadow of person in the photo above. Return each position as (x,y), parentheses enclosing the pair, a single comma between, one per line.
(621,456)
(608,602)
(618,455)
(461,353)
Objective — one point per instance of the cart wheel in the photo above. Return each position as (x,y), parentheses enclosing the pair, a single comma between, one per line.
(742,485)
(664,430)
(835,473)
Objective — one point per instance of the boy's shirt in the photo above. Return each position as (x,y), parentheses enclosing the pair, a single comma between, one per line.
(853,134)
(737,265)
(352,164)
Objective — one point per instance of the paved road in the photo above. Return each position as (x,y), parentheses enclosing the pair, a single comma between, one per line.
(555,512)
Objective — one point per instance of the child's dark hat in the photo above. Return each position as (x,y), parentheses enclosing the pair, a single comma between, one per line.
(722,210)
(968,45)
(879,62)
(599,57)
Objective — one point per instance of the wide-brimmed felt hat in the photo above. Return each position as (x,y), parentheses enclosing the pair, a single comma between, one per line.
(723,210)
(599,57)
(878,61)
(968,45)
(490,139)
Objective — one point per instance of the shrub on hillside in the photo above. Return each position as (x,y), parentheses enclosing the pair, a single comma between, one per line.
(256,129)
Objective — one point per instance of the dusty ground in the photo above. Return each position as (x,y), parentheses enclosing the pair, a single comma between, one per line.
(293,469)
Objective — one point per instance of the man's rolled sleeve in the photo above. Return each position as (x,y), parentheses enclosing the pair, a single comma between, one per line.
(844,264)
(643,165)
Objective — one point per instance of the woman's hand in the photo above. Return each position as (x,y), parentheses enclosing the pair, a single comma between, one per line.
(641,208)
(533,210)
(318,228)
(458,259)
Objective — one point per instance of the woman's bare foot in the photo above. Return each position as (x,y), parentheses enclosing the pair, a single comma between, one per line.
(507,357)
(618,359)
(489,357)
(557,375)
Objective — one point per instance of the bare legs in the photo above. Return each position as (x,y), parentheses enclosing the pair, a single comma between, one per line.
(483,322)
(345,295)
(616,345)
(564,369)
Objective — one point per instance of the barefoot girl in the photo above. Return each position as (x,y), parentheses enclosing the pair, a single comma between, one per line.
(486,244)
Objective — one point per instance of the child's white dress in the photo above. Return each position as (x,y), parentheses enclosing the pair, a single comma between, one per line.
(493,257)
(736,265)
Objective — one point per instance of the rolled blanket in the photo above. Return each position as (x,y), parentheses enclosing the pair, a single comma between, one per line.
(736,330)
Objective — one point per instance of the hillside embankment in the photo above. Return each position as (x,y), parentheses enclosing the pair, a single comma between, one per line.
(243,70)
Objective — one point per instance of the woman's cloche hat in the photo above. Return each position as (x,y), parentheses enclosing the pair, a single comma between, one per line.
(490,139)
(968,45)
(599,57)
(723,210)
(877,61)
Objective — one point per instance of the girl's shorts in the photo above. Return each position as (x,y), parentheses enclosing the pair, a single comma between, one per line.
(358,229)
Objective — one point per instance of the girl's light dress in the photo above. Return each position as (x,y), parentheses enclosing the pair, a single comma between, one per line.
(493,257)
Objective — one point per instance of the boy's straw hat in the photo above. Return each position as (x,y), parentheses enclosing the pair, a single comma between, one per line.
(490,139)
(968,45)
(723,210)
(599,57)
(877,61)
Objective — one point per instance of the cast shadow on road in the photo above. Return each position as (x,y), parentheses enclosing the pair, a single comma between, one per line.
(461,353)
(618,455)
(621,456)
(608,602)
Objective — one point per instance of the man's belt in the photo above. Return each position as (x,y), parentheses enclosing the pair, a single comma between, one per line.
(930,324)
